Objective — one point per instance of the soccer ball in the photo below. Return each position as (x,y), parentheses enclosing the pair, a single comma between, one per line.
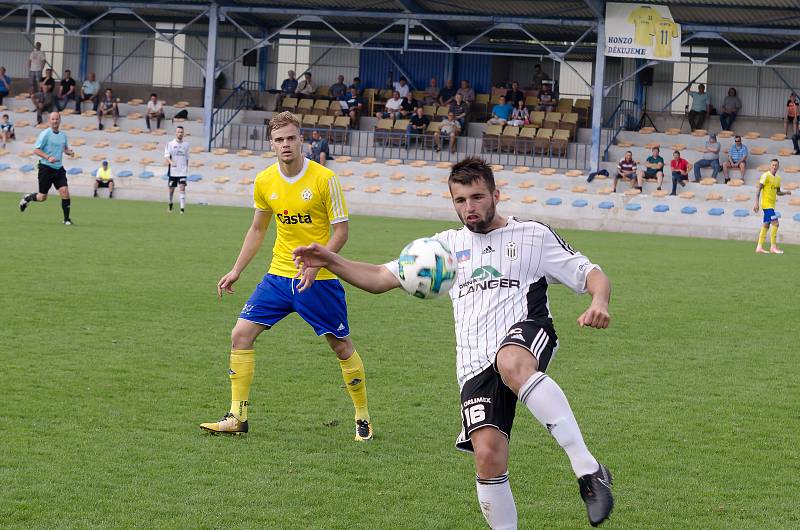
(427,268)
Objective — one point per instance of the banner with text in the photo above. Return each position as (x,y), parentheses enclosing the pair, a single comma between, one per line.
(642,31)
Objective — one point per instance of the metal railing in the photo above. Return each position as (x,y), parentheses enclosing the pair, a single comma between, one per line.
(623,117)
(240,98)
(512,151)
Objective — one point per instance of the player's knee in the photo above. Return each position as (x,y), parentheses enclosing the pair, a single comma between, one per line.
(489,462)
(343,348)
(515,365)
(241,339)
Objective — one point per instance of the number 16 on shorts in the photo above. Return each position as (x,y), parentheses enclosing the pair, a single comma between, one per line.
(473,414)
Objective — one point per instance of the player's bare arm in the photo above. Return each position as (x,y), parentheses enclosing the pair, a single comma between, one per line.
(759,186)
(374,279)
(599,287)
(341,232)
(252,242)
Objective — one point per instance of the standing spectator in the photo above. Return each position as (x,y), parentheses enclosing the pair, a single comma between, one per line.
(432,92)
(338,89)
(392,109)
(356,84)
(108,105)
(792,111)
(289,85)
(547,100)
(737,158)
(460,108)
(515,95)
(318,149)
(155,111)
(36,62)
(680,171)
(539,77)
(305,88)
(6,130)
(653,169)
(450,129)
(710,158)
(104,179)
(730,109)
(447,95)
(354,106)
(520,116)
(466,92)
(402,87)
(44,101)
(5,84)
(700,107)
(90,91)
(501,112)
(796,142)
(419,122)
(66,92)
(626,169)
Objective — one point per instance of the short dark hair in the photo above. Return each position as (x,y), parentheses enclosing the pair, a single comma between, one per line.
(470,170)
(5,115)
(774,160)
(67,71)
(179,127)
(153,95)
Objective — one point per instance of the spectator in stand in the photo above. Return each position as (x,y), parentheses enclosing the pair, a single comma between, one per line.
(796,142)
(108,105)
(680,171)
(791,116)
(460,108)
(501,112)
(432,92)
(6,130)
(317,149)
(66,92)
(653,169)
(626,169)
(417,125)
(392,109)
(539,77)
(354,106)
(338,89)
(515,95)
(90,91)
(520,116)
(710,158)
(402,87)
(447,95)
(44,100)
(547,100)
(5,84)
(700,107)
(104,179)
(466,92)
(730,109)
(356,84)
(407,106)
(155,111)
(36,62)
(305,88)
(450,129)
(289,85)
(48,80)
(737,158)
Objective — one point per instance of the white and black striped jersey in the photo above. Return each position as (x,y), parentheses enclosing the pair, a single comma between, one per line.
(502,279)
(178,155)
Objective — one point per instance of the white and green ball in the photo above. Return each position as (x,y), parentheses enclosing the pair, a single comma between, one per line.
(427,268)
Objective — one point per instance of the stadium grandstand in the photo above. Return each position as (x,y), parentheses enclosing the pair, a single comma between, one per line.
(583,107)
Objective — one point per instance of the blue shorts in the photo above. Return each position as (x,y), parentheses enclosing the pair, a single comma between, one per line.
(769,215)
(322,305)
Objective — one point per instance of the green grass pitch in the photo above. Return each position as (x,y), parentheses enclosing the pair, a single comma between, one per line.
(114,348)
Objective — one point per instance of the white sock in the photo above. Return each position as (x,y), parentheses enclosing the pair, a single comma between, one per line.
(497,502)
(183,200)
(548,404)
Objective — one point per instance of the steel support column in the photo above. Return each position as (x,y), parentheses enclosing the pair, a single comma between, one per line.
(263,61)
(210,73)
(597,96)
(83,65)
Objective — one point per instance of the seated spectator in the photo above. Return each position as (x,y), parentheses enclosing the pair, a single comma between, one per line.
(108,106)
(737,158)
(289,85)
(432,92)
(402,87)
(547,100)
(730,109)
(305,88)
(520,116)
(338,89)
(417,125)
(460,108)
(466,92)
(447,95)
(48,80)
(710,158)
(407,106)
(356,84)
(104,179)
(392,109)
(90,91)
(44,101)
(626,169)
(680,171)
(515,95)
(155,111)
(5,84)
(6,130)
(501,112)
(354,106)
(450,129)
(66,92)
(317,149)
(539,77)
(791,116)
(653,169)
(700,107)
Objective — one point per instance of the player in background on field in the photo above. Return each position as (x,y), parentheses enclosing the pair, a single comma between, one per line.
(505,338)
(307,202)
(50,148)
(768,188)
(176,154)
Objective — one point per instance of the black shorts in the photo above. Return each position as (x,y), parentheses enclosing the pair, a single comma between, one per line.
(174,181)
(103,183)
(51,177)
(486,400)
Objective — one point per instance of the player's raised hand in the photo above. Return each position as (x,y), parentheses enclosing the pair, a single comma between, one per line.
(225,284)
(595,317)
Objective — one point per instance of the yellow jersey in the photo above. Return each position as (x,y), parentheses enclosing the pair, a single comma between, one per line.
(665,31)
(644,19)
(769,193)
(104,175)
(304,207)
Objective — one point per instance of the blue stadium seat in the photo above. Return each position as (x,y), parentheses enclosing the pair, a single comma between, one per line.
(553,201)
(3,167)
(146,174)
(796,217)
(94,173)
(741,212)
(26,168)
(194,178)
(580,203)
(716,211)
(660,208)
(125,173)
(689,210)
(606,205)
(633,207)
(74,171)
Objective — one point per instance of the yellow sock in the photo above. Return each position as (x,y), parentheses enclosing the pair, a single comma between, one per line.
(773,236)
(355,381)
(243,363)
(762,236)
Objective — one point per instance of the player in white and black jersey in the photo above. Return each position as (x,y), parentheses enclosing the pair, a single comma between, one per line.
(176,155)
(504,334)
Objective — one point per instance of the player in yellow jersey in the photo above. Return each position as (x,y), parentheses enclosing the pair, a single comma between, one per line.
(768,188)
(307,202)
(665,30)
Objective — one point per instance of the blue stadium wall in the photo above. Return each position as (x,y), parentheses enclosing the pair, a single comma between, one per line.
(374,67)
